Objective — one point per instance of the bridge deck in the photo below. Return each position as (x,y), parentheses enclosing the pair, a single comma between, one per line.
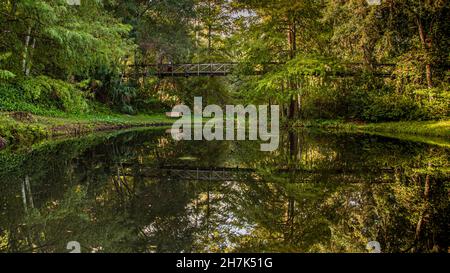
(225,69)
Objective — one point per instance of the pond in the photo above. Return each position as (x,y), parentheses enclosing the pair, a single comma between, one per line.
(142,191)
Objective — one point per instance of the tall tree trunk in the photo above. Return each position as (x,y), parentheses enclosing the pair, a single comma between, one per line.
(197,36)
(427,45)
(25,51)
(209,31)
(30,56)
(209,43)
(293,108)
(292,38)
(14,7)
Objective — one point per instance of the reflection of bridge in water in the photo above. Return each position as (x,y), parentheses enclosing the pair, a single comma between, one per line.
(215,174)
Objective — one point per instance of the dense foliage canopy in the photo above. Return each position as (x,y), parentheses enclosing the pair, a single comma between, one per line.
(322,58)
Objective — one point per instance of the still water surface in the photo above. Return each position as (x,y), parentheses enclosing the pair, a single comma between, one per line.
(141,191)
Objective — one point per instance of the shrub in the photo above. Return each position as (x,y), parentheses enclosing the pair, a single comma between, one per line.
(42,95)
(397,107)
(390,107)
(54,94)
(108,88)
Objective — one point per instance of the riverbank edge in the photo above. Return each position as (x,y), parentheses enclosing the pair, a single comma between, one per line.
(24,128)
(431,132)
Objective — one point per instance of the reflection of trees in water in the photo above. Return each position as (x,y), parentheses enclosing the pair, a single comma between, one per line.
(339,217)
(95,191)
(118,206)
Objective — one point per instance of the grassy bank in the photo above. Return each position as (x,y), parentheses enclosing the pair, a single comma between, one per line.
(20,127)
(431,132)
(418,128)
